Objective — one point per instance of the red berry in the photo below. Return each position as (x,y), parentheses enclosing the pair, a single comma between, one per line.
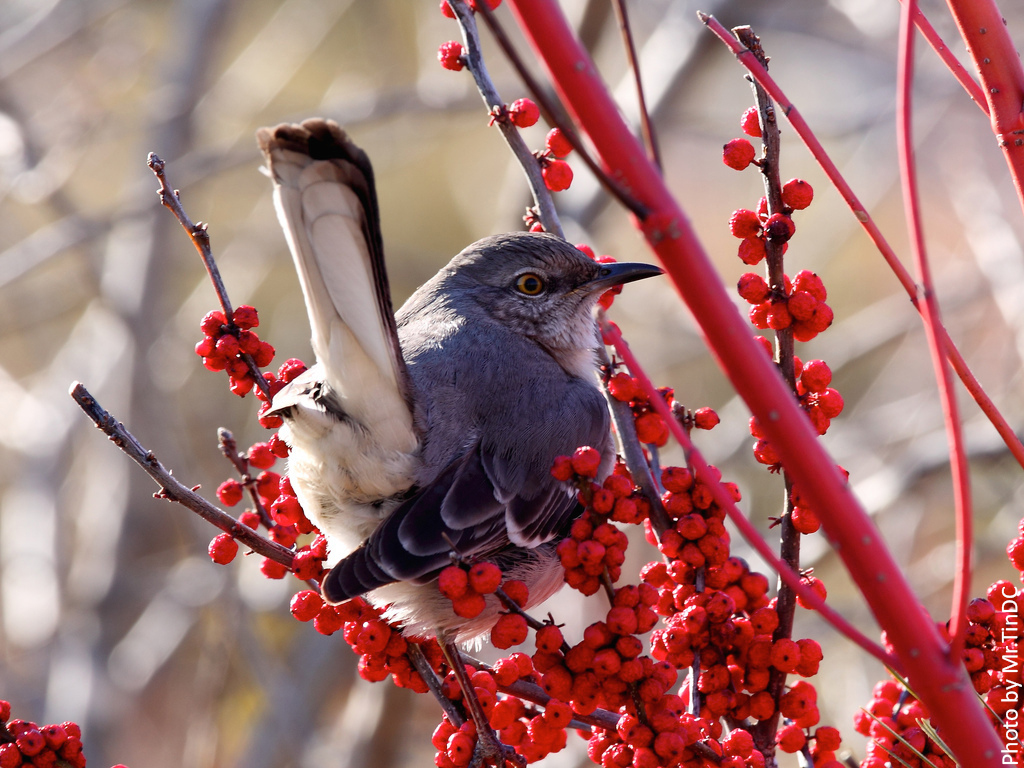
(791,738)
(523,113)
(805,280)
(211,323)
(448,13)
(805,520)
(752,288)
(738,154)
(31,742)
(223,549)
(227,346)
(816,375)
(829,401)
(510,629)
(750,122)
(264,355)
(517,592)
(557,175)
(484,578)
(469,605)
(557,143)
(453,582)
(797,194)
(206,347)
(10,756)
(460,748)
(802,305)
(586,461)
(272,569)
(744,223)
(822,318)
(245,317)
(778,316)
(751,250)
(549,638)
(260,456)
(651,429)
(305,605)
(229,492)
(622,387)
(450,55)
(1015,551)
(827,738)
(562,468)
(779,228)
(705,418)
(286,510)
(817,586)
(739,743)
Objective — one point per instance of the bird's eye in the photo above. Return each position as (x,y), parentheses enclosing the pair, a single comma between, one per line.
(530,284)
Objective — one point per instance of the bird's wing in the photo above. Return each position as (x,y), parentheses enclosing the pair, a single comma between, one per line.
(327,204)
(481,504)
(461,512)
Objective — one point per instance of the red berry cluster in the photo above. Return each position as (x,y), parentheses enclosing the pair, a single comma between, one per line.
(279,510)
(533,734)
(755,228)
(225,344)
(24,743)
(594,546)
(650,426)
(382,649)
(467,587)
(800,307)
(558,174)
(892,719)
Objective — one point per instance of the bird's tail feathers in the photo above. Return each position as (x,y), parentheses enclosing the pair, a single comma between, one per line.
(326,201)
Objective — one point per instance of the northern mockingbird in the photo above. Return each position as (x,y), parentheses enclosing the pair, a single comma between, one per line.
(433,431)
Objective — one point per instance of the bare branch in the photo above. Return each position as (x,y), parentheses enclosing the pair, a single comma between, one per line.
(170,487)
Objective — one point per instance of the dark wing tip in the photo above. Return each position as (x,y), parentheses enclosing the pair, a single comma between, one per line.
(356,575)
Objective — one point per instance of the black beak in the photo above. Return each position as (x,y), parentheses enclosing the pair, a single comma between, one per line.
(619,273)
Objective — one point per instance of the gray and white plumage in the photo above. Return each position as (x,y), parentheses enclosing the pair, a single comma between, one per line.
(435,430)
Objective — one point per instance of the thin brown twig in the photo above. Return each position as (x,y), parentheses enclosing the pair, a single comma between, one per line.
(557,117)
(646,127)
(199,235)
(170,488)
(789,537)
(229,448)
(527,160)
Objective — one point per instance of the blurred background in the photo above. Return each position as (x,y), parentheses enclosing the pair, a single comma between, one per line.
(111,613)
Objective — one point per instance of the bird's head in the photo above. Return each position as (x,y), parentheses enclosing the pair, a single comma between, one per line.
(541,286)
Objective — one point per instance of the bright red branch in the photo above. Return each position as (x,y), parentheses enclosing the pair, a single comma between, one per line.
(1002,77)
(932,322)
(943,686)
